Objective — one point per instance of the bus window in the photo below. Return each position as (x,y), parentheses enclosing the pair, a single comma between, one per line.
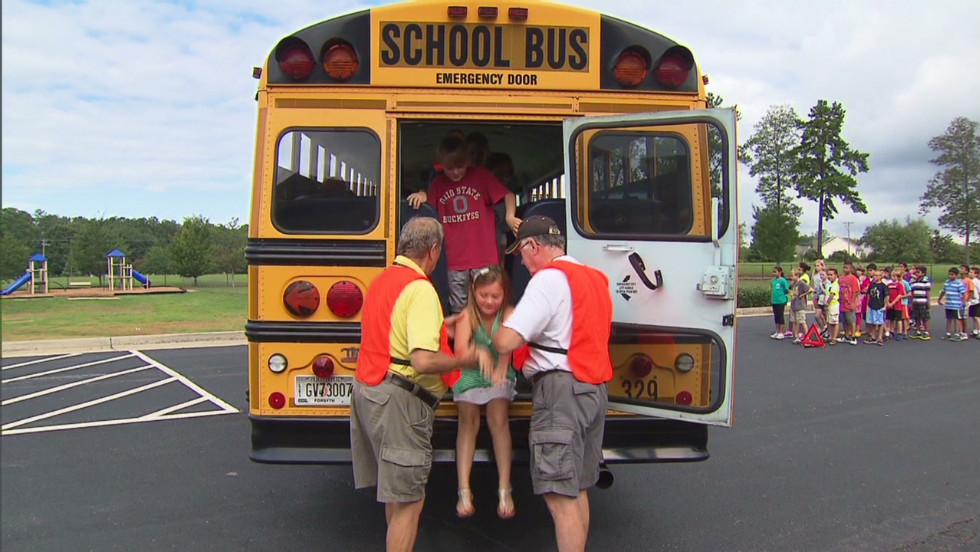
(640,185)
(327,181)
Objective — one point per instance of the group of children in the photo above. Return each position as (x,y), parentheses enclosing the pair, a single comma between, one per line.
(887,303)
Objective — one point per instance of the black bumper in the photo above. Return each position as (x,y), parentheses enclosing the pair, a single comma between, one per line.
(627,439)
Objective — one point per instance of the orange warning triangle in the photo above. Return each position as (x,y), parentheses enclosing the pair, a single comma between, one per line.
(813,338)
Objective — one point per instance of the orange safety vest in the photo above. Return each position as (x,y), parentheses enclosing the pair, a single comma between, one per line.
(588,353)
(375,357)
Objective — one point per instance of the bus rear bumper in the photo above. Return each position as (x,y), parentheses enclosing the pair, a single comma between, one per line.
(627,440)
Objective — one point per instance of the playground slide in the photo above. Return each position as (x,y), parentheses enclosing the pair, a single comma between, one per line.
(140,278)
(20,281)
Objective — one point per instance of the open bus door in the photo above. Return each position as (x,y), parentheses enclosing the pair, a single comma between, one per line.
(641,209)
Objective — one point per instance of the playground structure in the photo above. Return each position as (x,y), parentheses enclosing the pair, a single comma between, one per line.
(119,279)
(120,274)
(37,275)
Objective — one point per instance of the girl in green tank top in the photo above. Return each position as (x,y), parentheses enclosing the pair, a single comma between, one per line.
(487,306)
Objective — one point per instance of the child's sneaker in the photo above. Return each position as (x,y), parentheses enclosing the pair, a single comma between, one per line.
(870,341)
(779,336)
(947,337)
(773,335)
(788,334)
(853,341)
(925,336)
(797,341)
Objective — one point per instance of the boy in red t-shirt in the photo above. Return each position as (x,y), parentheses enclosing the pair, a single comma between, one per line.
(464,196)
(893,308)
(850,302)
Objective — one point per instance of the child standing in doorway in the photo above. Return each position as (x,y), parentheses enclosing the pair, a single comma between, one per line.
(486,308)
(464,196)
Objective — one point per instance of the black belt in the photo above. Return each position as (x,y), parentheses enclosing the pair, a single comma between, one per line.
(422,393)
(537,376)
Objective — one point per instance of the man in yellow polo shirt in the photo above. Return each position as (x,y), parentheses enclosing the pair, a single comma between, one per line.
(398,381)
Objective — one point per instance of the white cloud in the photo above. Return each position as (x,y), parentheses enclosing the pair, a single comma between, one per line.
(146,108)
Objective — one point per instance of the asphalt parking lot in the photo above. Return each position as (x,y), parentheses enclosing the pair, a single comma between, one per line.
(841,448)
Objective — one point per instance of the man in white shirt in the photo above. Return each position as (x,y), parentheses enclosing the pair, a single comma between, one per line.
(565,317)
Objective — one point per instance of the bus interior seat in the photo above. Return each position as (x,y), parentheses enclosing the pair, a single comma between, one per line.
(319,214)
(439,276)
(519,275)
(643,207)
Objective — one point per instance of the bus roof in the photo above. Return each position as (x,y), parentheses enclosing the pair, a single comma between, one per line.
(494,45)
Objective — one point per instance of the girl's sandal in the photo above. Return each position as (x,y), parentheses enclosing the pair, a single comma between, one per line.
(464,507)
(505,509)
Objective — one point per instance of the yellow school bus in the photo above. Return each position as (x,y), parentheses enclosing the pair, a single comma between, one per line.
(607,126)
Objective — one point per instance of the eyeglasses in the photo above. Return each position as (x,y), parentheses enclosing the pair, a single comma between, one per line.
(521,247)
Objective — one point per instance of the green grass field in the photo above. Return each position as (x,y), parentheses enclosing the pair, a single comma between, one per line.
(169,280)
(198,310)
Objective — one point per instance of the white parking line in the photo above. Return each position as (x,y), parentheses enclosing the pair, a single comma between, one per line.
(198,389)
(87,404)
(73,384)
(14,428)
(102,423)
(67,369)
(37,360)
(164,411)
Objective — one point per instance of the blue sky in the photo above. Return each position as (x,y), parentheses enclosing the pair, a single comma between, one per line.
(139,109)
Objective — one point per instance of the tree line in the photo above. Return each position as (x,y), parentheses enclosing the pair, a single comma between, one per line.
(795,157)
(76,246)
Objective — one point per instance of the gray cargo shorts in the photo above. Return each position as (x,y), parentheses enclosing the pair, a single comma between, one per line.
(565,438)
(391,441)
(459,288)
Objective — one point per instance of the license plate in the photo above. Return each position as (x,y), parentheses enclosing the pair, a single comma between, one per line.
(332,391)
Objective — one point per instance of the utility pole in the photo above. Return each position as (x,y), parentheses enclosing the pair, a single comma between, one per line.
(848,226)
(44,243)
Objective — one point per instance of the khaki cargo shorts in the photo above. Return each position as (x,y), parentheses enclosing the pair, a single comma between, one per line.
(391,441)
(565,439)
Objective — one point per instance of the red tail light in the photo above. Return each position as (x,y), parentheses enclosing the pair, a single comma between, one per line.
(641,366)
(340,61)
(323,366)
(345,299)
(457,12)
(632,67)
(277,400)
(487,12)
(295,60)
(684,398)
(517,14)
(674,67)
(301,298)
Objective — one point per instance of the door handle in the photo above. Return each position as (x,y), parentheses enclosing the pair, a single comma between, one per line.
(617,247)
(640,267)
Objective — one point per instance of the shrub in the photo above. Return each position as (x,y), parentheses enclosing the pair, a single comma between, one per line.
(753,297)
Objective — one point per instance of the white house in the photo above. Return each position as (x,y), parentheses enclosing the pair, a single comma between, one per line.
(835,244)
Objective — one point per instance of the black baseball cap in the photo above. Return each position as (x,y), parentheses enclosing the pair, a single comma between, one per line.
(537,225)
